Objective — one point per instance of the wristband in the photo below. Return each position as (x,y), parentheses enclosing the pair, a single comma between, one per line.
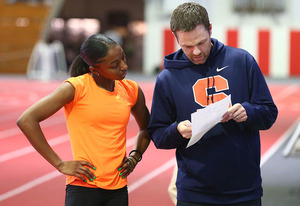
(137,151)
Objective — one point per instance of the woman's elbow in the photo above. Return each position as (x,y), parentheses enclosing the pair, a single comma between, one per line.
(23,121)
(20,121)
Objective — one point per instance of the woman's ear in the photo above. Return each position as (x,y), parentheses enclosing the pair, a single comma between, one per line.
(94,71)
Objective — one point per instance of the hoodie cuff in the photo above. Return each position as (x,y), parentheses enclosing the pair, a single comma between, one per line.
(177,138)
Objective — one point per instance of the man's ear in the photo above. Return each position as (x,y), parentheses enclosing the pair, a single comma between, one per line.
(174,33)
(210,29)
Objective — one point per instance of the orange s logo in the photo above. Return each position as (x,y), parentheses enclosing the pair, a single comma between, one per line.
(202,86)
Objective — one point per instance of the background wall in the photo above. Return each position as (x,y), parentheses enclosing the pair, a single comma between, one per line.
(272,38)
(26,26)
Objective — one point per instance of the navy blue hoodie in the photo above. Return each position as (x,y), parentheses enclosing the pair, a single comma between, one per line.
(224,166)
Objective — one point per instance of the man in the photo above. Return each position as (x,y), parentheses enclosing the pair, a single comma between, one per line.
(223,168)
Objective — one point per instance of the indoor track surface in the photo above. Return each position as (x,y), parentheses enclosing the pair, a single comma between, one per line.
(27,179)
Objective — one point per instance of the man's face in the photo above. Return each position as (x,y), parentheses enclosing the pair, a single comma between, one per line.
(196,44)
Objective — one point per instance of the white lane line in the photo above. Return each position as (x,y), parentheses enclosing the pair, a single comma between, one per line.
(50,122)
(29,185)
(53,174)
(26,150)
(270,152)
(142,180)
(151,175)
(53,142)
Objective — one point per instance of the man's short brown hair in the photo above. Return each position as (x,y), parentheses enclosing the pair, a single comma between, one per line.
(188,16)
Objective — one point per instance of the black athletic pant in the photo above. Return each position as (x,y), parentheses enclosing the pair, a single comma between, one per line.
(248,203)
(85,196)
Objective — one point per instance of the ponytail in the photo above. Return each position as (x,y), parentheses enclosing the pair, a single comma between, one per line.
(92,49)
(78,67)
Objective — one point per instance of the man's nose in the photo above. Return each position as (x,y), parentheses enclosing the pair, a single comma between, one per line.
(196,51)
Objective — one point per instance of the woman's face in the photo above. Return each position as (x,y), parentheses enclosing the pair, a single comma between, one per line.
(113,66)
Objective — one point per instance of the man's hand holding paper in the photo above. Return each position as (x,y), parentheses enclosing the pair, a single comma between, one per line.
(204,119)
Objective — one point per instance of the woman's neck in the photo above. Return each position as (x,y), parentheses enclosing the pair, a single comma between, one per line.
(104,83)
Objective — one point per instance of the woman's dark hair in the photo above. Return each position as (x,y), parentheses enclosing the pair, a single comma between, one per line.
(92,49)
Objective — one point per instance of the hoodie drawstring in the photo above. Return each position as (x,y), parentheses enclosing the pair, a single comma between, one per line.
(208,93)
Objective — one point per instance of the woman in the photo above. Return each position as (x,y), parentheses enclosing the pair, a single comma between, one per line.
(97,103)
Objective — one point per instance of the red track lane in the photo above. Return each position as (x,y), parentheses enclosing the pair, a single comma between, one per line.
(46,187)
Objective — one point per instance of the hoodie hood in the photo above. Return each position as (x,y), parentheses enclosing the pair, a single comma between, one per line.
(178,59)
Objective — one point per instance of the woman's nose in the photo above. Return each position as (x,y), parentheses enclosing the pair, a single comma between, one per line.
(124,66)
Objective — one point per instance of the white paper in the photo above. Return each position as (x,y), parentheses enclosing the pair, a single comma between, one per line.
(204,119)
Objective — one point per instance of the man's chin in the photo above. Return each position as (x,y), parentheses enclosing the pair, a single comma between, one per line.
(198,62)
